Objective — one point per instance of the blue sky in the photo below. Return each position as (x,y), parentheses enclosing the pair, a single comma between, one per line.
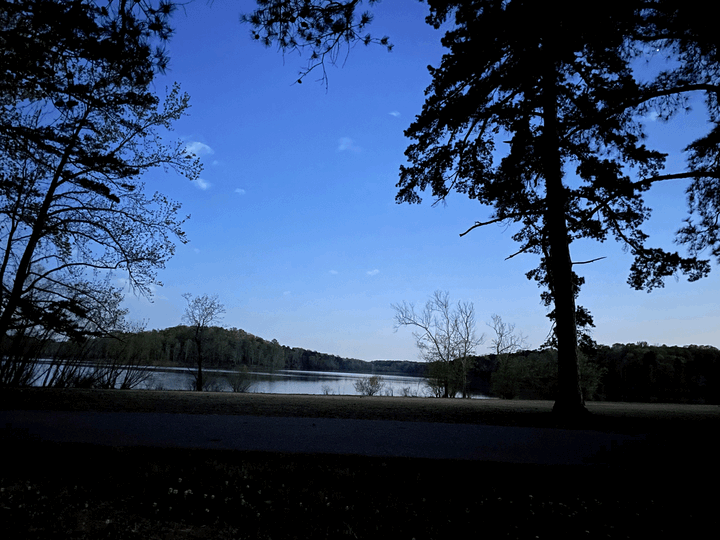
(294,223)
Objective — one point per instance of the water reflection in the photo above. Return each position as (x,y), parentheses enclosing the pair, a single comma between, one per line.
(291,382)
(278,382)
(285,382)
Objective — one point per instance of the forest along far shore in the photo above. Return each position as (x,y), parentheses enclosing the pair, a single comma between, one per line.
(637,372)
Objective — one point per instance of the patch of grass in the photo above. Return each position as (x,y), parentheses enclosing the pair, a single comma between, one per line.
(616,417)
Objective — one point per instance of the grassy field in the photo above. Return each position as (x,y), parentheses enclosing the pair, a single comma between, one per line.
(84,491)
(617,417)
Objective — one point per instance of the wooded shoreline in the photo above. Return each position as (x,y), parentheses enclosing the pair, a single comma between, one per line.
(637,372)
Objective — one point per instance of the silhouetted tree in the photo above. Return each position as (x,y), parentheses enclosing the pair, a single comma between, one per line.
(554,90)
(506,340)
(325,27)
(78,127)
(446,338)
(369,386)
(201,312)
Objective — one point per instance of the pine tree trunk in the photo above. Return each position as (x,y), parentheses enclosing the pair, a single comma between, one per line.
(569,400)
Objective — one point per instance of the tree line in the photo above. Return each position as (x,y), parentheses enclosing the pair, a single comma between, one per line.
(621,372)
(636,372)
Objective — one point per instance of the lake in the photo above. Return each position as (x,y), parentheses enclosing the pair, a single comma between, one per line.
(284,382)
(291,382)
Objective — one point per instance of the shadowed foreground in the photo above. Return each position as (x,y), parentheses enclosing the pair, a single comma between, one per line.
(83,491)
(606,416)
(379,438)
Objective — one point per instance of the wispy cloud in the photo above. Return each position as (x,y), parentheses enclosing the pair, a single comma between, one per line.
(394,113)
(240,191)
(346,143)
(199,149)
(334,272)
(373,272)
(202,184)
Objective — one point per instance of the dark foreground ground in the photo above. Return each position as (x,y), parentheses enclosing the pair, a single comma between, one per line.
(52,490)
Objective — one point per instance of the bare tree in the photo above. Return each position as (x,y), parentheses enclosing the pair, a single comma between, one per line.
(506,340)
(241,380)
(446,339)
(200,313)
(505,343)
(369,386)
(112,357)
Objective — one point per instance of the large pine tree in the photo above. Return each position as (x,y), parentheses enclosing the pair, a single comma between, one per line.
(536,111)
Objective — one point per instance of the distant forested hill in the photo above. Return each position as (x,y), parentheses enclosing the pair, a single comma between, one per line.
(230,348)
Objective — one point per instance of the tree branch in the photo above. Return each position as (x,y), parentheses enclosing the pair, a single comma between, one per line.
(590,261)
(496,220)
(676,176)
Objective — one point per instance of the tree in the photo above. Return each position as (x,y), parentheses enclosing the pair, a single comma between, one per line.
(560,97)
(324,27)
(506,340)
(79,126)
(445,337)
(201,313)
(115,361)
(369,386)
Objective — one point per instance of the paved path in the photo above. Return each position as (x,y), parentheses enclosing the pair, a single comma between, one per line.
(322,435)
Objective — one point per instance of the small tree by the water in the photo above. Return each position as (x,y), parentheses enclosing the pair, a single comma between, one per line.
(241,380)
(200,313)
(369,386)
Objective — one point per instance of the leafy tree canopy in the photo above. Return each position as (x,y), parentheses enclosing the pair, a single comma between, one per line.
(484,105)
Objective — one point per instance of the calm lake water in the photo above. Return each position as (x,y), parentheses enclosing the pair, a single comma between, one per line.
(284,382)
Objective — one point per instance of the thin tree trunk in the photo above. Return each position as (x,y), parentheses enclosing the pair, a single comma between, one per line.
(199,385)
(23,270)
(198,343)
(37,233)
